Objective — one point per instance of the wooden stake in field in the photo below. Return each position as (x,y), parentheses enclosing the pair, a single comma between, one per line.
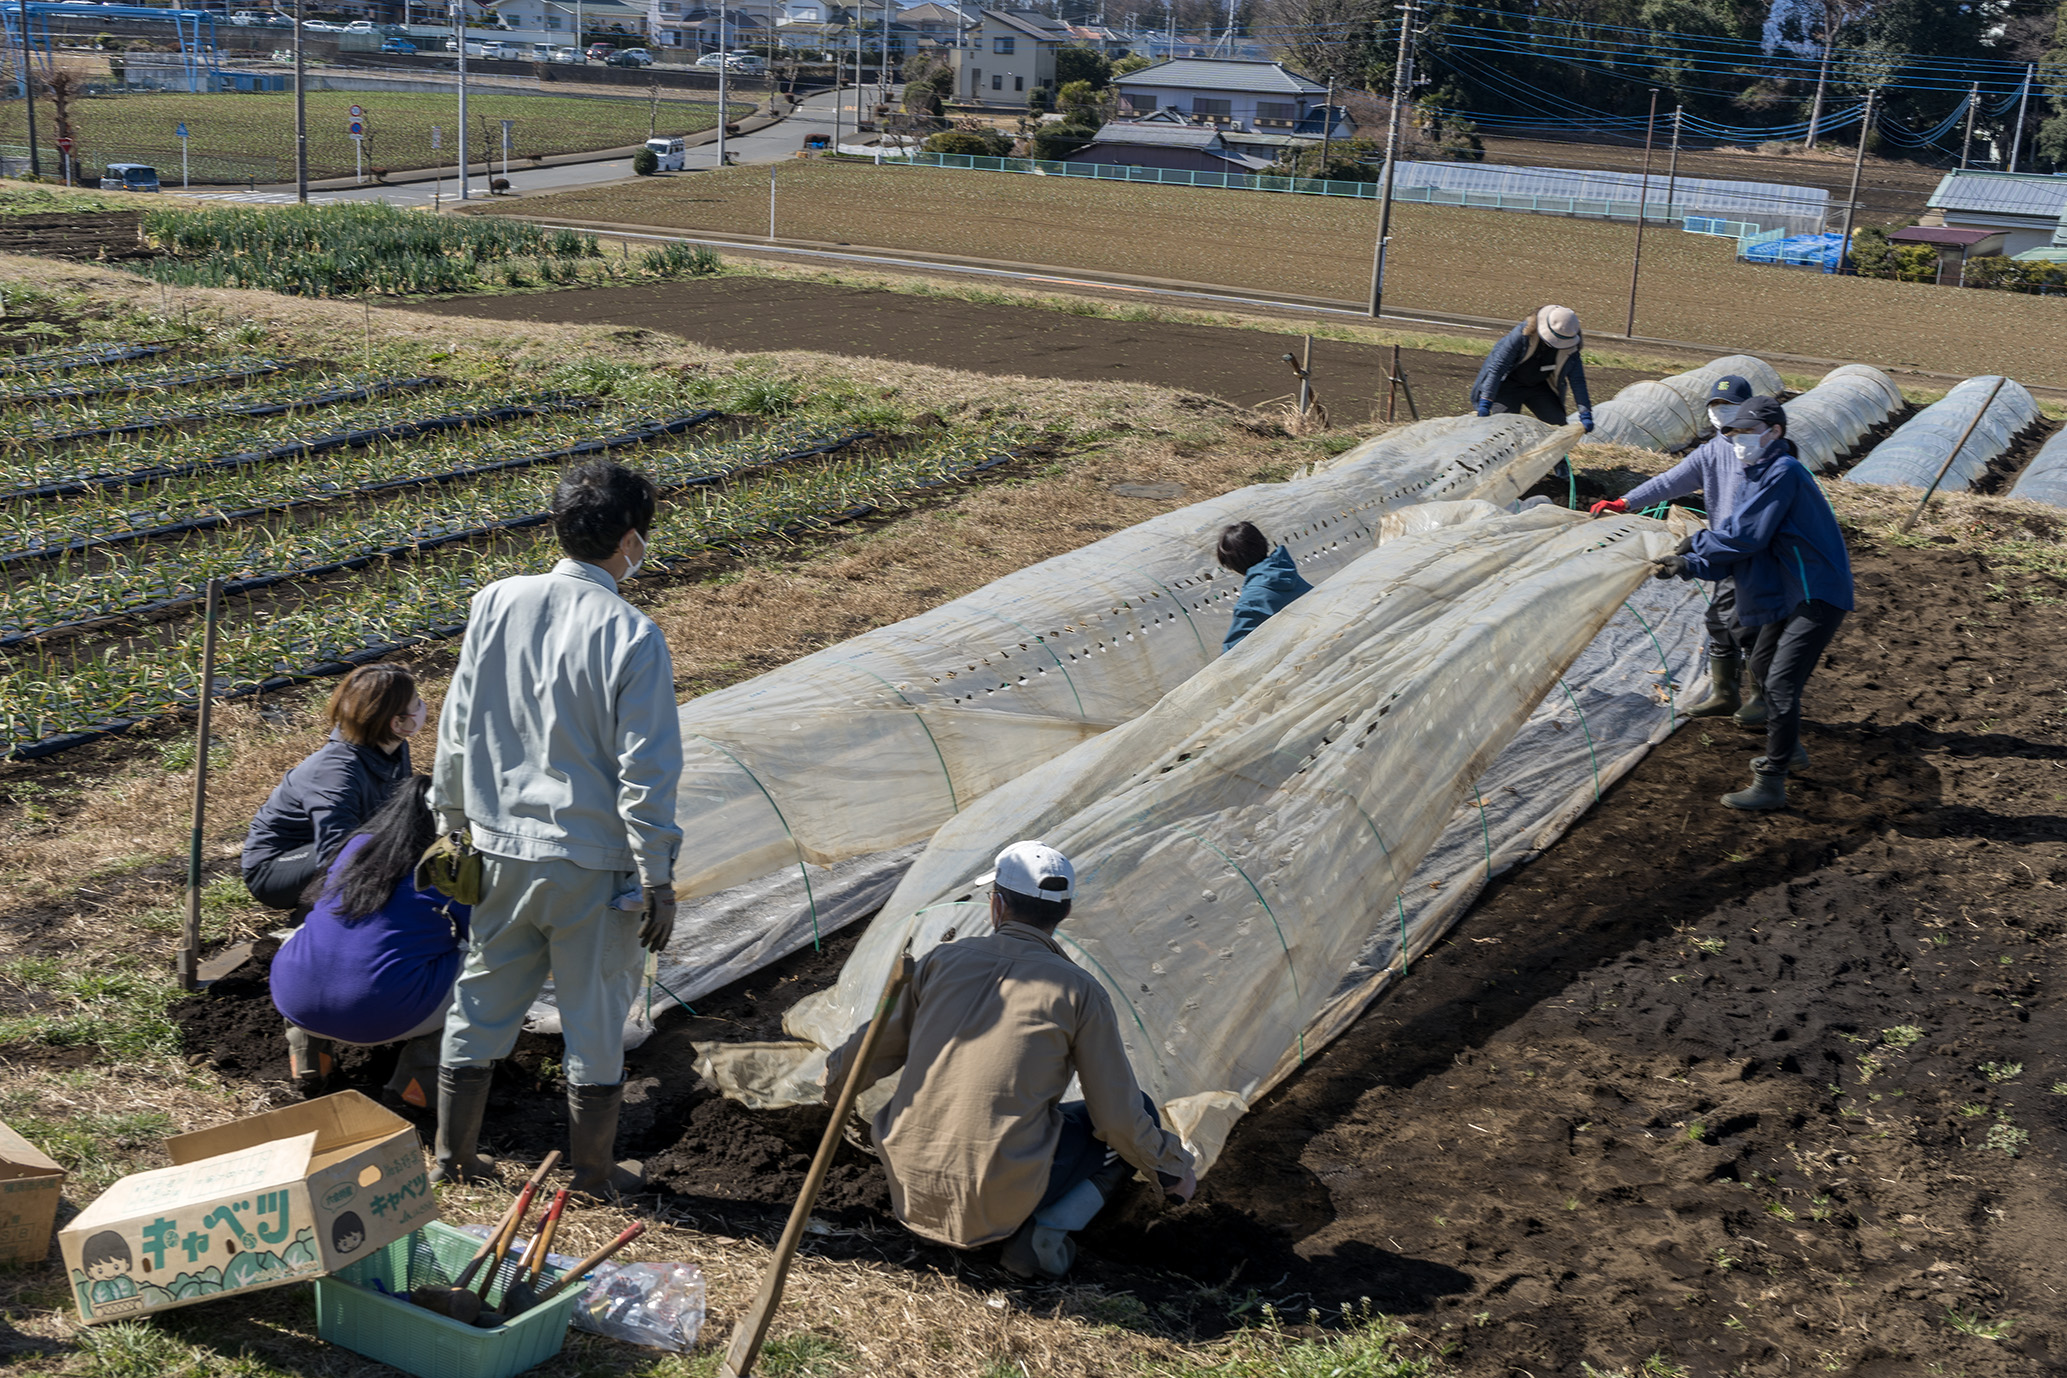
(1958,445)
(1643,194)
(190,939)
(753,1327)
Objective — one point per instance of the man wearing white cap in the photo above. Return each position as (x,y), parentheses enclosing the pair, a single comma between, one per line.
(1532,365)
(977,1141)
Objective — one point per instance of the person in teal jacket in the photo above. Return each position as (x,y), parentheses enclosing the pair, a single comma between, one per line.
(1270,579)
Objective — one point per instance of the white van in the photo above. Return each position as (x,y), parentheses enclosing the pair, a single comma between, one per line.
(245,19)
(672,153)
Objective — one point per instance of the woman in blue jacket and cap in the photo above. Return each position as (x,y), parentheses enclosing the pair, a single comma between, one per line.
(1782,546)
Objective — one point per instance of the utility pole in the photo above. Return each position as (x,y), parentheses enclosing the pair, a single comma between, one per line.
(1822,81)
(459,23)
(883,65)
(1672,167)
(1401,84)
(2023,101)
(29,95)
(1643,194)
(839,95)
(1327,128)
(1973,108)
(301,115)
(1844,247)
(724,84)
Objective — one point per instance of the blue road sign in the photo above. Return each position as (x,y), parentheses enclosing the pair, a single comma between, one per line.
(181,132)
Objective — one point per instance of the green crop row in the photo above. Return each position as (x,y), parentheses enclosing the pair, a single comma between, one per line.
(73,689)
(119,380)
(87,586)
(34,425)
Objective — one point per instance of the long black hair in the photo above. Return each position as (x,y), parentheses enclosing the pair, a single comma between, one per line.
(396,836)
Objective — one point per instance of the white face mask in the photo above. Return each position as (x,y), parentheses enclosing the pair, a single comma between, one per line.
(1715,418)
(1748,447)
(633,567)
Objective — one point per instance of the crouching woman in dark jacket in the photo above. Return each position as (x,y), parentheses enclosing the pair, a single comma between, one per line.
(377,957)
(1270,579)
(373,711)
(1782,546)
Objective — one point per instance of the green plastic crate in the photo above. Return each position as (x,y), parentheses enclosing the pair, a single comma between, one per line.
(353,1310)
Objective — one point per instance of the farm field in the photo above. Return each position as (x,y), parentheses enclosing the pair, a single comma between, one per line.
(1473,262)
(1692,1094)
(235,136)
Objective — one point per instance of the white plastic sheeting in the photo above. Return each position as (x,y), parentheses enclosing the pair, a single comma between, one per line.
(1827,420)
(801,785)
(1771,204)
(1916,451)
(2045,478)
(1255,853)
(1672,413)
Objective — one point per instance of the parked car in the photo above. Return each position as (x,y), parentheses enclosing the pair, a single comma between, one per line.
(629,57)
(397,45)
(500,51)
(672,154)
(747,64)
(130,177)
(598,51)
(321,26)
(365,26)
(560,52)
(245,19)
(277,20)
(712,60)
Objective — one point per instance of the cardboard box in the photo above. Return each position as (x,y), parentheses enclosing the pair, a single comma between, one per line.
(29,1187)
(251,1204)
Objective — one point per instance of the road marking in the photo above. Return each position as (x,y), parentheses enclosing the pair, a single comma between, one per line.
(261,198)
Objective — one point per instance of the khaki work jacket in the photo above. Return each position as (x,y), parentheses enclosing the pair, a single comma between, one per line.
(989,1033)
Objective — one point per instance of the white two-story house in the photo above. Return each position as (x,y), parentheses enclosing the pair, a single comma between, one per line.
(1010,53)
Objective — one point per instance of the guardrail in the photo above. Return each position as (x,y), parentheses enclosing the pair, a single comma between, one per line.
(1654,211)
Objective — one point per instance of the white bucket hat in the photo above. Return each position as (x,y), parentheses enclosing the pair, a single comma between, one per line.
(1559,326)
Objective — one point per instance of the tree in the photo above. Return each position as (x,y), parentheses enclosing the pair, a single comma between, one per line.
(1132,62)
(2052,74)
(645,162)
(1057,141)
(1079,100)
(970,143)
(1074,62)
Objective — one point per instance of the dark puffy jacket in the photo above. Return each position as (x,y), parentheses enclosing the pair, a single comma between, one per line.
(1780,543)
(1521,349)
(1270,583)
(324,799)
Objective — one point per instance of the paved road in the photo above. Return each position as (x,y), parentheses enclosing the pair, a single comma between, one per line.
(779,142)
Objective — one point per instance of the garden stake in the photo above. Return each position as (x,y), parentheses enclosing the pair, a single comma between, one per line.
(190,942)
(753,1328)
(1957,446)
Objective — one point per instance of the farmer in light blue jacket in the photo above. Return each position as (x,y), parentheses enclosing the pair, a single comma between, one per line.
(1712,470)
(1783,547)
(1270,579)
(561,749)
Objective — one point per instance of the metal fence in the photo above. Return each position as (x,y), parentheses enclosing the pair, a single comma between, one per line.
(1654,211)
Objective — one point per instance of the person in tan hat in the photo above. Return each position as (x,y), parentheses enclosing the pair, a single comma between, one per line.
(1531,367)
(977,1141)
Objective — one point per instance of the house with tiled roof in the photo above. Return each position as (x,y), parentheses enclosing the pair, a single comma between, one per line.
(1011,53)
(1228,93)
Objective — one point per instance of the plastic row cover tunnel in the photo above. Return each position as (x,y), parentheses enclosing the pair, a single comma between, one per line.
(1914,453)
(1245,850)
(1672,413)
(1827,420)
(804,788)
(2045,478)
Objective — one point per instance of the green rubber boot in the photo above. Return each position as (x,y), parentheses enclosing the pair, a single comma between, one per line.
(592,1143)
(1722,694)
(462,1103)
(1768,791)
(1753,712)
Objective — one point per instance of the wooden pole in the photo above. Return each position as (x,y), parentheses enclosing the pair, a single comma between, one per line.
(753,1327)
(1643,194)
(1306,376)
(190,940)
(1844,248)
(1392,383)
(1958,445)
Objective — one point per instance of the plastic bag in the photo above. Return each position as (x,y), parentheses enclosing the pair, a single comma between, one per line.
(659,1305)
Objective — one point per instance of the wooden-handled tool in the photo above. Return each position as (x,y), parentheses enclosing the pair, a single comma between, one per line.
(508,1236)
(594,1260)
(446,1300)
(522,1294)
(753,1328)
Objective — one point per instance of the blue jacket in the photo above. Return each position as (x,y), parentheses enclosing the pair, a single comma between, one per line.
(1781,544)
(1518,350)
(1711,470)
(324,799)
(374,978)
(1270,584)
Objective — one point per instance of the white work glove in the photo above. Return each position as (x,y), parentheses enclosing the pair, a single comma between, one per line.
(659,924)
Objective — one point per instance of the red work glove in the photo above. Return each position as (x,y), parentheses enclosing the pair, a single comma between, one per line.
(1609,505)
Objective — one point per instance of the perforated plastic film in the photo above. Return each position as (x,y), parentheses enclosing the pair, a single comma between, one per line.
(1916,451)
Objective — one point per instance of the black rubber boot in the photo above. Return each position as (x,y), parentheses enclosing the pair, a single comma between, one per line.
(462,1102)
(1753,712)
(415,1081)
(592,1142)
(1722,694)
(1768,791)
(1798,761)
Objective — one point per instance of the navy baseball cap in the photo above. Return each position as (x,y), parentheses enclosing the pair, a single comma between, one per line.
(1766,411)
(1731,389)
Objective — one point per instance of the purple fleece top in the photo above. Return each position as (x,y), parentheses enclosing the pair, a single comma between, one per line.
(1711,470)
(376,978)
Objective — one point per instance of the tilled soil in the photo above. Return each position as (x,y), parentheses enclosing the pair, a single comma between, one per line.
(1760,1094)
(1241,366)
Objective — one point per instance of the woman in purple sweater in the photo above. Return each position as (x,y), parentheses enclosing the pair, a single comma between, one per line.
(376,959)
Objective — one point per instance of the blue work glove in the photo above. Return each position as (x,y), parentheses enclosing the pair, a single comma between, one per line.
(1586,419)
(1671,567)
(1484,408)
